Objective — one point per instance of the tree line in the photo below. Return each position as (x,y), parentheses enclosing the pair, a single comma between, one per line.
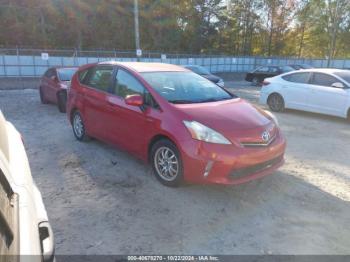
(298,28)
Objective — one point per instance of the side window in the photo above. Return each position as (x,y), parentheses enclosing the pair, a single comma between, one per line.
(262,69)
(126,85)
(273,69)
(83,76)
(301,78)
(286,69)
(323,79)
(149,100)
(100,77)
(49,73)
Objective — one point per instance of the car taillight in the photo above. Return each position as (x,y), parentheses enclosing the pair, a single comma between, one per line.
(265,83)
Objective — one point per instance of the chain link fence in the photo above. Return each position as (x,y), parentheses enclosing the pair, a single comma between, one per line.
(21,62)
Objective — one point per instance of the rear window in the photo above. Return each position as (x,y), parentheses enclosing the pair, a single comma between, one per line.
(297,78)
(344,75)
(66,74)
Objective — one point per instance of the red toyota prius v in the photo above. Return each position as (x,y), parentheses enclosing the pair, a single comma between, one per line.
(186,127)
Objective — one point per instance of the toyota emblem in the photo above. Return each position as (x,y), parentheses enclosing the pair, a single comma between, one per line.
(265,136)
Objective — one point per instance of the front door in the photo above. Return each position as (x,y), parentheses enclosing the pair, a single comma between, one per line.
(128,125)
(324,98)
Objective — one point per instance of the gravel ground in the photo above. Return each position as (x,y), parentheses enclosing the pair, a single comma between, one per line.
(101,200)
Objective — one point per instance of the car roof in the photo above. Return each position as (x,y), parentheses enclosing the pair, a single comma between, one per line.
(142,67)
(64,67)
(324,70)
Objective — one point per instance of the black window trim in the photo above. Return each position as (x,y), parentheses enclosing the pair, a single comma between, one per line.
(298,72)
(339,80)
(114,82)
(90,70)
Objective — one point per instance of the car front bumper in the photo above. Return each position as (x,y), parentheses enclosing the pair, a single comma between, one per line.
(207,163)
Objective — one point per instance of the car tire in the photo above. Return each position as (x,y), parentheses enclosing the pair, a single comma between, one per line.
(255,81)
(166,163)
(42,97)
(62,101)
(276,102)
(79,127)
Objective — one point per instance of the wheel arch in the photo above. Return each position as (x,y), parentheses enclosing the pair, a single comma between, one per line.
(155,139)
(275,93)
(72,111)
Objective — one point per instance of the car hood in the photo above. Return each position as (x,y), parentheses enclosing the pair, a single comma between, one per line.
(212,78)
(236,119)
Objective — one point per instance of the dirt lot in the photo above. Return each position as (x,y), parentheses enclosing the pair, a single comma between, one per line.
(101,200)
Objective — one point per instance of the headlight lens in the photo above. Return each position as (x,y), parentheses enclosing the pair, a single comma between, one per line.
(204,133)
(273,117)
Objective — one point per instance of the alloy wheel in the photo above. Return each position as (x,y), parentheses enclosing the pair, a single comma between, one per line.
(78,125)
(166,163)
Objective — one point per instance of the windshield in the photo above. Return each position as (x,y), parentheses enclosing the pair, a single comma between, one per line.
(344,75)
(199,70)
(65,74)
(185,87)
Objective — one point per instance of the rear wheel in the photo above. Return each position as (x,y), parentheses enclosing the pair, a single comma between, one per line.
(276,102)
(79,127)
(166,163)
(42,96)
(62,101)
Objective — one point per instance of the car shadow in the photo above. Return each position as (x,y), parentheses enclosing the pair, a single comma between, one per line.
(130,211)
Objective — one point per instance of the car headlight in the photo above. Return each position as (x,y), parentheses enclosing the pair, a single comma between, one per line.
(204,133)
(273,117)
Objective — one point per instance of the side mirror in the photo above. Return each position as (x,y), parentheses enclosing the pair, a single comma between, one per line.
(134,100)
(338,85)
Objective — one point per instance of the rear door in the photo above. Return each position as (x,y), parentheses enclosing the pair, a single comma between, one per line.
(96,107)
(295,90)
(324,98)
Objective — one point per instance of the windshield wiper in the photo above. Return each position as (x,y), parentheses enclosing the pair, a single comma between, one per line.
(179,101)
(214,99)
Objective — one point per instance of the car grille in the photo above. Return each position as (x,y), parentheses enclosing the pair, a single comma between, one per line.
(239,173)
(258,143)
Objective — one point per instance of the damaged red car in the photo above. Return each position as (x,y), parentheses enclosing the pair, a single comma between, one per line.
(185,126)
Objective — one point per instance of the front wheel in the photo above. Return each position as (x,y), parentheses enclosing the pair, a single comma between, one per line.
(276,102)
(79,127)
(166,163)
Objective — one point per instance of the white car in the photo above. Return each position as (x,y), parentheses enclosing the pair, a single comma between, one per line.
(325,91)
(24,226)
